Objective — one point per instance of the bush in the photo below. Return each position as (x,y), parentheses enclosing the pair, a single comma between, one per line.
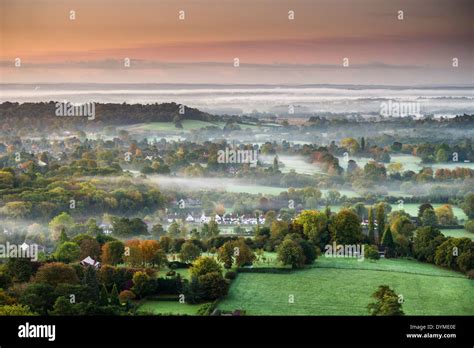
(15,310)
(470,274)
(371,252)
(143,285)
(230,275)
(212,285)
(126,295)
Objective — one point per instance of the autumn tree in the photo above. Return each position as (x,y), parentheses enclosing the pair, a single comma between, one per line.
(89,247)
(445,215)
(203,265)
(55,273)
(149,252)
(112,252)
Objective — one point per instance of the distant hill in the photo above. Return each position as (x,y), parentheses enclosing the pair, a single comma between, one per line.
(106,114)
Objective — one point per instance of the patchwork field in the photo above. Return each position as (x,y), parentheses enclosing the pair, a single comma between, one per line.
(344,287)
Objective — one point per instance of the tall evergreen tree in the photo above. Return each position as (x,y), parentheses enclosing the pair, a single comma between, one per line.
(388,243)
(380,217)
(104,296)
(429,218)
(275,164)
(371,225)
(63,237)
(114,296)
(90,280)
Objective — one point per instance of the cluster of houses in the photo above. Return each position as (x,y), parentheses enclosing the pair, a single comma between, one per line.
(226,219)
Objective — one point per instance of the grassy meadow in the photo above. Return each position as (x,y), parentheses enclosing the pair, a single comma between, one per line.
(344,286)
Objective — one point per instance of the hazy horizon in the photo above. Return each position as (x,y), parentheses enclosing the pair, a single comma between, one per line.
(275,42)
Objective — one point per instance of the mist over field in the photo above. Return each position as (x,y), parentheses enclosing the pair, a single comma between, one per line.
(228,99)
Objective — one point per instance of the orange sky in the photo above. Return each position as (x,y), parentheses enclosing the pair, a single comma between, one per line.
(271,48)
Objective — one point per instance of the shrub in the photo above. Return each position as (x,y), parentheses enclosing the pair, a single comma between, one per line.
(126,296)
(15,310)
(371,252)
(143,285)
(470,274)
(213,285)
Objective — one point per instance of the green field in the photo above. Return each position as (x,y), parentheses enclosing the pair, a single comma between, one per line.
(169,126)
(344,287)
(458,233)
(168,307)
(412,209)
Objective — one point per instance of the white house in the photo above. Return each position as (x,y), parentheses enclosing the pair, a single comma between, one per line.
(89,261)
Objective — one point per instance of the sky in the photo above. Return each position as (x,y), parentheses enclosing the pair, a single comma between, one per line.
(271,48)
